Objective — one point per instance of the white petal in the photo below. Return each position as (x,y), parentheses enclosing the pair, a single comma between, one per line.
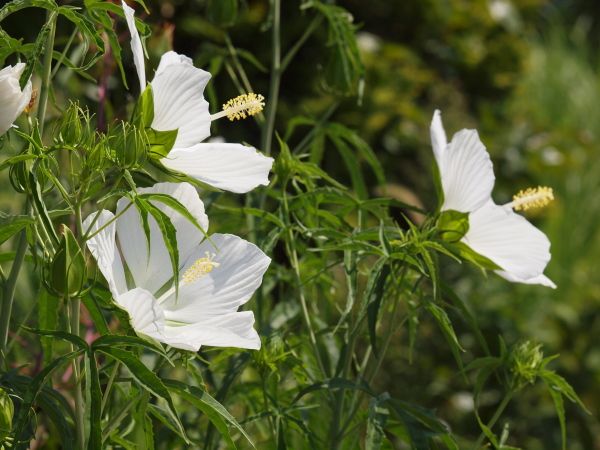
(104,249)
(542,280)
(467,173)
(12,100)
(509,240)
(144,311)
(136,45)
(178,91)
(231,167)
(438,136)
(224,289)
(154,270)
(172,58)
(229,330)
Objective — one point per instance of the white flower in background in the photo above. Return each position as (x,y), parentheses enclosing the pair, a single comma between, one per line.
(217,274)
(496,232)
(179,104)
(12,100)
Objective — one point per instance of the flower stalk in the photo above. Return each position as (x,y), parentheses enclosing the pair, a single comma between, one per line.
(269,125)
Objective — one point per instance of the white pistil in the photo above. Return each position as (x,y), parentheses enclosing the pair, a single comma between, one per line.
(531,198)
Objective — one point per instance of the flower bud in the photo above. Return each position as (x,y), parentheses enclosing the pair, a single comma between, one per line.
(96,153)
(6,415)
(526,361)
(67,273)
(70,126)
(13,100)
(129,145)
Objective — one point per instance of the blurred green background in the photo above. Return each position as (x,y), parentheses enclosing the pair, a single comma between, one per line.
(525,73)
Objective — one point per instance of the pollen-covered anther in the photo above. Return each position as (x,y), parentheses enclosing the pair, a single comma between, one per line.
(200,268)
(532,198)
(242,106)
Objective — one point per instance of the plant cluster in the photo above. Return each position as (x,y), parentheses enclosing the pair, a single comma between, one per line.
(135,298)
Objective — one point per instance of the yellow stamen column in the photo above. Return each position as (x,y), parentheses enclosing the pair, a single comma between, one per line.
(531,198)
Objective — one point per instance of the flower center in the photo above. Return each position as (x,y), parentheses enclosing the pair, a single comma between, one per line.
(201,267)
(531,198)
(242,106)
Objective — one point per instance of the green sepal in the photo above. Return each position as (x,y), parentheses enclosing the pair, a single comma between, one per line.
(143,114)
(161,142)
(468,254)
(437,182)
(453,225)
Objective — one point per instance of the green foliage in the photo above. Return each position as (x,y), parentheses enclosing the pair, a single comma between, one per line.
(371,331)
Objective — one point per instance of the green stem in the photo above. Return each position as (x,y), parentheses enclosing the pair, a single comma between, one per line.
(293,254)
(47,72)
(64,52)
(9,290)
(348,353)
(111,380)
(300,42)
(501,407)
(267,130)
(73,309)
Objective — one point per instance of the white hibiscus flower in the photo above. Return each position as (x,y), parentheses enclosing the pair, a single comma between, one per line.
(13,100)
(495,231)
(217,275)
(179,104)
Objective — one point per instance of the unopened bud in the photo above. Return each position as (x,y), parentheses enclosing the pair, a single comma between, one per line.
(67,273)
(130,145)
(526,363)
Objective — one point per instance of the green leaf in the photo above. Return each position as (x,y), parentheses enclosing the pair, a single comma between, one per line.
(215,412)
(468,254)
(17,159)
(63,335)
(175,205)
(11,225)
(333,384)
(41,207)
(374,294)
(487,431)
(168,232)
(114,340)
(144,377)
(17,5)
(94,412)
(36,384)
(144,434)
(96,314)
(376,420)
(442,319)
(349,159)
(559,384)
(422,424)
